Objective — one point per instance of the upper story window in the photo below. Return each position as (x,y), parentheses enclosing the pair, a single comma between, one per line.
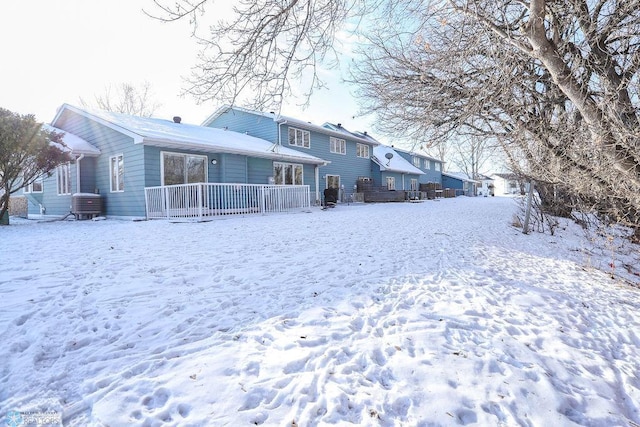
(416,161)
(299,137)
(63,173)
(427,164)
(116,172)
(337,145)
(438,166)
(362,150)
(35,187)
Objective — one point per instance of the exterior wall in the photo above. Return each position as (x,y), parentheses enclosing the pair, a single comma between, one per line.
(233,168)
(467,188)
(450,182)
(254,124)
(48,199)
(430,173)
(130,202)
(348,166)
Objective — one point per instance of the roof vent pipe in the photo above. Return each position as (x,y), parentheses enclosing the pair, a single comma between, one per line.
(177,119)
(339,125)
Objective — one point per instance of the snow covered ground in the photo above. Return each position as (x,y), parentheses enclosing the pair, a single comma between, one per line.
(425,314)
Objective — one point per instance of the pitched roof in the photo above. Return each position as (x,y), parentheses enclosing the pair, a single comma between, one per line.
(168,134)
(292,121)
(74,143)
(421,155)
(459,175)
(388,160)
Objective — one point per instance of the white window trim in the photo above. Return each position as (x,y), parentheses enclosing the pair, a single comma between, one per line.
(438,166)
(63,183)
(427,164)
(284,165)
(206,164)
(301,143)
(391,183)
(360,148)
(337,145)
(414,184)
(29,188)
(327,180)
(116,190)
(416,161)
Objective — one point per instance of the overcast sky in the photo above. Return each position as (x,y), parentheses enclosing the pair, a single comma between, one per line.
(58,51)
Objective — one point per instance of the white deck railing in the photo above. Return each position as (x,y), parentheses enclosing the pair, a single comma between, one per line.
(206,200)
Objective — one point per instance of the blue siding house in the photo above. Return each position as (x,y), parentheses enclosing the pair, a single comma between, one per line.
(347,154)
(431,166)
(392,171)
(117,156)
(460,182)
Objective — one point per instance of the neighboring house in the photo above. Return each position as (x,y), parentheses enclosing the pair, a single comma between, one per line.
(393,171)
(430,166)
(460,182)
(118,156)
(508,184)
(486,187)
(347,154)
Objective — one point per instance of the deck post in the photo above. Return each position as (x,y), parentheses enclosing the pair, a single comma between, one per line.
(200,201)
(166,201)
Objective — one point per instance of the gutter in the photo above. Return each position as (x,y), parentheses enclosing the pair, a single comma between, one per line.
(168,143)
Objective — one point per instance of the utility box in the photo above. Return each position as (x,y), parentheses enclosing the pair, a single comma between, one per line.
(86,205)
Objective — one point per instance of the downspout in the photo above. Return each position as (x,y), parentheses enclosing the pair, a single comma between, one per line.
(317,178)
(78,173)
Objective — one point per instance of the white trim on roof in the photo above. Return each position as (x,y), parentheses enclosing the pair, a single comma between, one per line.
(73,143)
(167,134)
(424,156)
(397,163)
(460,177)
(286,120)
(137,138)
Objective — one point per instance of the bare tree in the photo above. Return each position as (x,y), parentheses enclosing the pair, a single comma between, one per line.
(27,152)
(555,83)
(128,99)
(473,154)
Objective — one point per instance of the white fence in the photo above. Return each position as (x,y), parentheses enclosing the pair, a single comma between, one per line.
(203,200)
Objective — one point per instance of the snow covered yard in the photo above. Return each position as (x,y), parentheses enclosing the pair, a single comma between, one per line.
(426,314)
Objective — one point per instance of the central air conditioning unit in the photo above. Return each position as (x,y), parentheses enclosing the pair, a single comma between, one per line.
(86,205)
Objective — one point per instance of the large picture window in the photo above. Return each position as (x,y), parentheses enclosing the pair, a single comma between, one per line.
(116,172)
(362,150)
(63,173)
(180,168)
(299,137)
(337,145)
(287,173)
